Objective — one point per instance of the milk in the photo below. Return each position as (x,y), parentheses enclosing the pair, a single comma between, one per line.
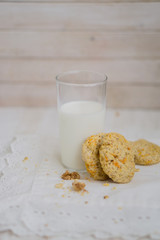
(77,121)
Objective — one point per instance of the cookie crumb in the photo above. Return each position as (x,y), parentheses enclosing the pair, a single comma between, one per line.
(83,192)
(59,185)
(70,176)
(114,188)
(106,196)
(86,202)
(86,178)
(106,184)
(25,159)
(137,170)
(78,186)
(119,208)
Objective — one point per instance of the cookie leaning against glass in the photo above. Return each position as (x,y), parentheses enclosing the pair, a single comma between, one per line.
(117,158)
(145,153)
(90,155)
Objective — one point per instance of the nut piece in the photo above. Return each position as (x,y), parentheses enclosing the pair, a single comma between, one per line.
(70,176)
(78,186)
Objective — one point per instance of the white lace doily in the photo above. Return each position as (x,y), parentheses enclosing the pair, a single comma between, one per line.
(30,204)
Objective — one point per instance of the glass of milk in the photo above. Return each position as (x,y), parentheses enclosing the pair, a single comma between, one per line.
(81,99)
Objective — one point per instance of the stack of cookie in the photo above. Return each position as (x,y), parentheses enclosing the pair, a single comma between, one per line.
(110,155)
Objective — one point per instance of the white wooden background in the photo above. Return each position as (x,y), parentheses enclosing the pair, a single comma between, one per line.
(39,39)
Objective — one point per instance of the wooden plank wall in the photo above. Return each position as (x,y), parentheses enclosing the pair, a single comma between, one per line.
(40,39)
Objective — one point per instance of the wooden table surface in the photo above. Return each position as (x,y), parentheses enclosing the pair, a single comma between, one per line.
(40,39)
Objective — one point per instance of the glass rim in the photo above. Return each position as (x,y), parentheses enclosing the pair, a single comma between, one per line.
(92,83)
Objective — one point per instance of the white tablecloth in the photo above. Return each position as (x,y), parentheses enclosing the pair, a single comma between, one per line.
(31,205)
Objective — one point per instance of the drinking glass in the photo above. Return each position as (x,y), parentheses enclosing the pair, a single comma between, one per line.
(81,102)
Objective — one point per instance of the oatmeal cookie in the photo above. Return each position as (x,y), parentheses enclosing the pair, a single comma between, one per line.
(117,158)
(145,153)
(90,155)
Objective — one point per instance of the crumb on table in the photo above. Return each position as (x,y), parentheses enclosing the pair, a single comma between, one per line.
(137,170)
(59,185)
(25,159)
(106,196)
(78,186)
(106,184)
(119,208)
(70,176)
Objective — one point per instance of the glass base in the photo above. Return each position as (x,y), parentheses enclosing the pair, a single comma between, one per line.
(73,169)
